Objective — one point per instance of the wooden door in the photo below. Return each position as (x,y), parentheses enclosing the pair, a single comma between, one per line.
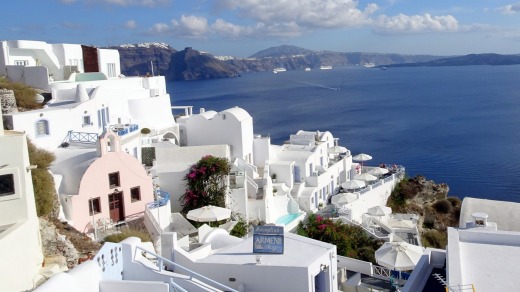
(116,206)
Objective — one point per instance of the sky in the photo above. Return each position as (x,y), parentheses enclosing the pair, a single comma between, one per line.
(241,28)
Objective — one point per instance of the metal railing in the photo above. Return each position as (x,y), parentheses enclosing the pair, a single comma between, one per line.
(82,137)
(162,199)
(381,271)
(458,288)
(192,274)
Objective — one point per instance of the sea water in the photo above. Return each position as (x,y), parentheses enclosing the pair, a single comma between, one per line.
(454,125)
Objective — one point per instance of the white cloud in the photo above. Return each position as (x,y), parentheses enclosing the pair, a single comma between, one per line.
(510,9)
(131,24)
(145,3)
(415,24)
(189,26)
(304,13)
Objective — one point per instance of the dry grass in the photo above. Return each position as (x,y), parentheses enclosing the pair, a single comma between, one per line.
(23,94)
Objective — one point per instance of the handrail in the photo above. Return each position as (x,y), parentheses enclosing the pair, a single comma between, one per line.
(460,287)
(191,273)
(176,286)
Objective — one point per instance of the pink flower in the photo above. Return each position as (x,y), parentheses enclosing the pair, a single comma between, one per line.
(191,175)
(322,226)
(319,218)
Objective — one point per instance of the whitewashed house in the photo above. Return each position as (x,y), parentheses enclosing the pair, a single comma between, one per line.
(21,255)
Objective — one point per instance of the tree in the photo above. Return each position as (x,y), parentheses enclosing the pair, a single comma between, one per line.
(206,183)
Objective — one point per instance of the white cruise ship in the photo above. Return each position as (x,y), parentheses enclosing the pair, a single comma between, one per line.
(281,69)
(369,65)
(323,67)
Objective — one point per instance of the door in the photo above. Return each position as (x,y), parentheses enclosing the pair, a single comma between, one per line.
(116,206)
(296,174)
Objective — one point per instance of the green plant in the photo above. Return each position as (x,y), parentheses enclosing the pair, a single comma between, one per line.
(240,229)
(43,183)
(23,94)
(429,220)
(148,155)
(273,176)
(118,237)
(206,183)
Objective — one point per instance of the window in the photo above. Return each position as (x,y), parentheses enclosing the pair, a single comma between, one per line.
(113,179)
(86,121)
(6,185)
(135,194)
(21,62)
(111,70)
(42,128)
(94,206)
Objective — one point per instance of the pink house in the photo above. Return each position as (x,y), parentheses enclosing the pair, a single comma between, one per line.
(103,183)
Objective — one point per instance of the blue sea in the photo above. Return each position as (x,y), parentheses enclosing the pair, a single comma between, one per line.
(454,125)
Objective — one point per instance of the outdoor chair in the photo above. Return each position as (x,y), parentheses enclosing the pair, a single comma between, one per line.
(105,223)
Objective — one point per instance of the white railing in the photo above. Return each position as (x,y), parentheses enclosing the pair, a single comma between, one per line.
(160,265)
(381,271)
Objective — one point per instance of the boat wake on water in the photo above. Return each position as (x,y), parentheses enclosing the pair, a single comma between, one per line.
(318,85)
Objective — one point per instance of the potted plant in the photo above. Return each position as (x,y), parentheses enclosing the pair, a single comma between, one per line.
(273,177)
(275,191)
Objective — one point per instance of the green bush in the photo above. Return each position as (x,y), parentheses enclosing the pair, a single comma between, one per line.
(23,94)
(118,237)
(443,206)
(148,155)
(43,183)
(435,239)
(240,229)
(429,220)
(145,131)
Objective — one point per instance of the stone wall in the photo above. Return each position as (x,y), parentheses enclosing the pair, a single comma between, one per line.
(8,101)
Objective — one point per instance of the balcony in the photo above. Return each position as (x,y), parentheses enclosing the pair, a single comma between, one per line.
(125,129)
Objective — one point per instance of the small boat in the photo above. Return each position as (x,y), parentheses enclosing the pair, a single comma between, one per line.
(369,65)
(383,68)
(323,67)
(281,69)
(307,69)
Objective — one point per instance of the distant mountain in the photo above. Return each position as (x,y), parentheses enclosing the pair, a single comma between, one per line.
(281,51)
(190,64)
(467,60)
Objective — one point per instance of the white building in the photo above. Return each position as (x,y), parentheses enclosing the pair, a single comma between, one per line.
(21,254)
(38,63)
(482,254)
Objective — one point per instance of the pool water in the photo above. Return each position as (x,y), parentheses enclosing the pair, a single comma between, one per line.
(288,218)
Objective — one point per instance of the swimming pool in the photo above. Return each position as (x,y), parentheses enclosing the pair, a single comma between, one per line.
(288,218)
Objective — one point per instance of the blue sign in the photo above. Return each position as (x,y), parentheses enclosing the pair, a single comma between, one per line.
(268,239)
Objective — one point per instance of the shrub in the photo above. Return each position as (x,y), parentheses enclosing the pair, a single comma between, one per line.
(118,237)
(206,183)
(429,220)
(435,239)
(145,131)
(43,183)
(23,94)
(240,229)
(455,202)
(443,206)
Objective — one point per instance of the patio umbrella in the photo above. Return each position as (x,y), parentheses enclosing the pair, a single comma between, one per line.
(353,184)
(379,211)
(343,198)
(209,214)
(362,157)
(399,256)
(365,176)
(337,150)
(378,171)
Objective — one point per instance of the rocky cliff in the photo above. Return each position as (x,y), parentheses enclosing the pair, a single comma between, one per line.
(190,64)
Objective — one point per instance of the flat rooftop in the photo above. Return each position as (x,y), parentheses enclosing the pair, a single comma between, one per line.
(242,253)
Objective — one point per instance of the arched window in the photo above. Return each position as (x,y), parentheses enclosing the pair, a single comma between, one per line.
(42,128)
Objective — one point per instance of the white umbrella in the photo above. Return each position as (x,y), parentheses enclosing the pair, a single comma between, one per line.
(362,157)
(353,184)
(378,171)
(337,150)
(365,176)
(400,256)
(209,214)
(379,211)
(343,198)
